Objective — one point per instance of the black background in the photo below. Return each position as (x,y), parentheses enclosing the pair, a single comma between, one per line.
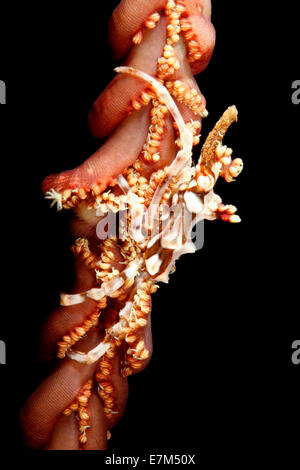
(221,377)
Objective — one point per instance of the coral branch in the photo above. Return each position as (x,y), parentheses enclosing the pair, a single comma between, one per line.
(135,203)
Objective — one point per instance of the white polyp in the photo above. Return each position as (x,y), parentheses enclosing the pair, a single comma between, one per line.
(71,299)
(92,356)
(56,198)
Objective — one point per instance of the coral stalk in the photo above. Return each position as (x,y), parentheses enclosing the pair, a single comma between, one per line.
(135,202)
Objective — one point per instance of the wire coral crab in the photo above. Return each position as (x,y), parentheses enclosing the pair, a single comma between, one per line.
(135,217)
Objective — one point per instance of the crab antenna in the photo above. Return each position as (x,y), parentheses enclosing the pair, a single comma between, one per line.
(164,96)
(186,137)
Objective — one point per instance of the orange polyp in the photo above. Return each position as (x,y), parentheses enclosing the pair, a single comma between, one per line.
(138,37)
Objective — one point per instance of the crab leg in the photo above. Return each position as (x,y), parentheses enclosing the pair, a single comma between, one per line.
(92,356)
(107,288)
(115,331)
